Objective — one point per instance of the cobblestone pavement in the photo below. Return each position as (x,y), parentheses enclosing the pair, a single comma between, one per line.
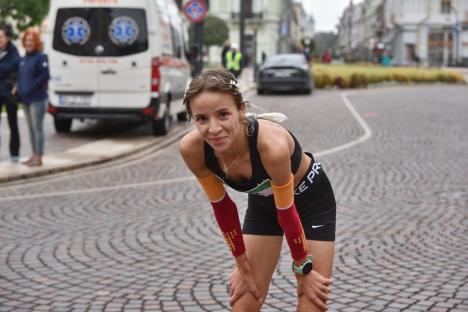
(139,235)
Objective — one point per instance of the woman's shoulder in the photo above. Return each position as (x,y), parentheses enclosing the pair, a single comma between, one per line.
(191,144)
(272,137)
(191,148)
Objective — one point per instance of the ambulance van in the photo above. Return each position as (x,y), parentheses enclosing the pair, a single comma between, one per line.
(117,59)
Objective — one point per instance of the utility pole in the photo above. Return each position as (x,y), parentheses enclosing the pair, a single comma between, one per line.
(198,40)
(242,30)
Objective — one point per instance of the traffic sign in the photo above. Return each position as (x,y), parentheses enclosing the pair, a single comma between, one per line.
(195,10)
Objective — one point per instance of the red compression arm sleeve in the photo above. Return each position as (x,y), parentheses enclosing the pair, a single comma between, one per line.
(292,227)
(227,217)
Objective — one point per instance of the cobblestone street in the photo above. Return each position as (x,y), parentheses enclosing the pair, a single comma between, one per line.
(138,235)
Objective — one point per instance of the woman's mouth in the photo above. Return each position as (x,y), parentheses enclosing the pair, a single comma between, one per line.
(217,141)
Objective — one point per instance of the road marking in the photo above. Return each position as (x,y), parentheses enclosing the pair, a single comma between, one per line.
(367,131)
(367,135)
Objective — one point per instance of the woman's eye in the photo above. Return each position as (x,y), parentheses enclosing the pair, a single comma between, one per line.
(200,118)
(223,114)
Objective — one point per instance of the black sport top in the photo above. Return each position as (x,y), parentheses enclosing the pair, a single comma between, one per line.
(259,183)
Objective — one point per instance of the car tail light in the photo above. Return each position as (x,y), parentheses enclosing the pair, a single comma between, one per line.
(149,111)
(155,74)
(51,109)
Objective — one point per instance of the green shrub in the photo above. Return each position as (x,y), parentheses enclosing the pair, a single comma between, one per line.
(360,75)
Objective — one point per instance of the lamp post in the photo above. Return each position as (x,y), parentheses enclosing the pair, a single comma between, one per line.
(456,31)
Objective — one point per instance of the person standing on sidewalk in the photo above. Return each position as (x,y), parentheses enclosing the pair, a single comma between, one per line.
(33,75)
(234,61)
(289,193)
(9,60)
(226,48)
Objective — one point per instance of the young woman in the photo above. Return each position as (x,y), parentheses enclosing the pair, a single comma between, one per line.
(33,75)
(289,194)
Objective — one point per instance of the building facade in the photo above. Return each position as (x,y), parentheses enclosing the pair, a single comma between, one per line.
(428,32)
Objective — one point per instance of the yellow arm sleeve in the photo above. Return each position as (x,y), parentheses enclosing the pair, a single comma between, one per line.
(213,187)
(284,194)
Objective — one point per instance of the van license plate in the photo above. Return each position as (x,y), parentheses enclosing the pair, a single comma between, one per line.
(75,100)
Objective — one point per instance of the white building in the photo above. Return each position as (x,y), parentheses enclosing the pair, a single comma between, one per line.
(270,26)
(432,32)
(436,31)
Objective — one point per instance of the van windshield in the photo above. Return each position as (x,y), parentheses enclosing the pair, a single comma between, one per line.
(100,31)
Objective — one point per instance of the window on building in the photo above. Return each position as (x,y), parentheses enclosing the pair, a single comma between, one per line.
(446,6)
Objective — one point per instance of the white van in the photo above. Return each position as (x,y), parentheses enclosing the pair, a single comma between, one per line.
(116,59)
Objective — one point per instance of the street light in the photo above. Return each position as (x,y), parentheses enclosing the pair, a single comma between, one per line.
(455,29)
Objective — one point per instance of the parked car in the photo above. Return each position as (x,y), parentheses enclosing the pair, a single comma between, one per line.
(285,72)
(120,60)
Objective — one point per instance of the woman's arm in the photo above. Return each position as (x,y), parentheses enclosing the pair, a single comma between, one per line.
(192,151)
(242,280)
(276,146)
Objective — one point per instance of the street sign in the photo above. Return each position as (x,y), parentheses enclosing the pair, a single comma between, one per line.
(195,10)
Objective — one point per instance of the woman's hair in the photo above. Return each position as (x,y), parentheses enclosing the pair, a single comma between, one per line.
(7,31)
(217,80)
(36,37)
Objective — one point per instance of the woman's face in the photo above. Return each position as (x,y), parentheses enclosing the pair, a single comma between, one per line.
(217,118)
(3,40)
(29,43)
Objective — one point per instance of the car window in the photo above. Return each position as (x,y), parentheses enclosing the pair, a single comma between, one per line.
(285,59)
(100,31)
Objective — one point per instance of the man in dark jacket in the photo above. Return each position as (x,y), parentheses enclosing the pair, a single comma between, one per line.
(9,61)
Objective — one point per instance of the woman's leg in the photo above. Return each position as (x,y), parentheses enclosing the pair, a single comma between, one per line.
(37,114)
(322,252)
(12,112)
(263,252)
(27,113)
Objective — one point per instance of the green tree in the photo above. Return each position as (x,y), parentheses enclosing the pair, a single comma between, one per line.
(215,31)
(22,14)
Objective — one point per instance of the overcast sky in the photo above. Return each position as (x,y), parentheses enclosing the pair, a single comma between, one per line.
(326,13)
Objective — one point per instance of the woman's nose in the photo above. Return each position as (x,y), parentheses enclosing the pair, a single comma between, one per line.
(214,126)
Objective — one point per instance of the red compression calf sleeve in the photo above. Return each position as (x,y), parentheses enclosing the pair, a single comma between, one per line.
(227,217)
(292,228)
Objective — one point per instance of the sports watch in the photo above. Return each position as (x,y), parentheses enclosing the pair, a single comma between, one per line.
(304,268)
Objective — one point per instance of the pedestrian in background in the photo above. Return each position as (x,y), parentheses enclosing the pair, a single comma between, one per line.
(326,57)
(226,48)
(234,61)
(9,60)
(33,75)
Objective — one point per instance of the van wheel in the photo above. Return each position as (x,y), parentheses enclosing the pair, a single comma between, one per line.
(62,125)
(161,126)
(182,116)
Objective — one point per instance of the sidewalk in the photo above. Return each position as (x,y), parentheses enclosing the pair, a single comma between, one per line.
(96,152)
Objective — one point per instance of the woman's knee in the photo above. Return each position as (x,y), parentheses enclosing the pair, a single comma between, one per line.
(248,303)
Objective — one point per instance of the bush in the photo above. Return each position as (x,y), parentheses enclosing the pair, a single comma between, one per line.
(360,75)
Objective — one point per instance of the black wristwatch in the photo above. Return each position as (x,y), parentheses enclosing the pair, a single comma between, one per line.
(304,268)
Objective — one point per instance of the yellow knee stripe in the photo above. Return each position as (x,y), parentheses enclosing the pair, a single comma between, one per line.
(213,187)
(284,194)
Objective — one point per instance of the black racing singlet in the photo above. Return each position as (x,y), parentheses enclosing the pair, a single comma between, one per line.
(259,183)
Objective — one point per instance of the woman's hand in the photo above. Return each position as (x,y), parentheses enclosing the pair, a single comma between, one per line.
(316,287)
(240,282)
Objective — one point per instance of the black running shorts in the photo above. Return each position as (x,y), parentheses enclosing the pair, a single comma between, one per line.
(315,204)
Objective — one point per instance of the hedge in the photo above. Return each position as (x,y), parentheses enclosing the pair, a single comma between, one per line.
(359,76)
